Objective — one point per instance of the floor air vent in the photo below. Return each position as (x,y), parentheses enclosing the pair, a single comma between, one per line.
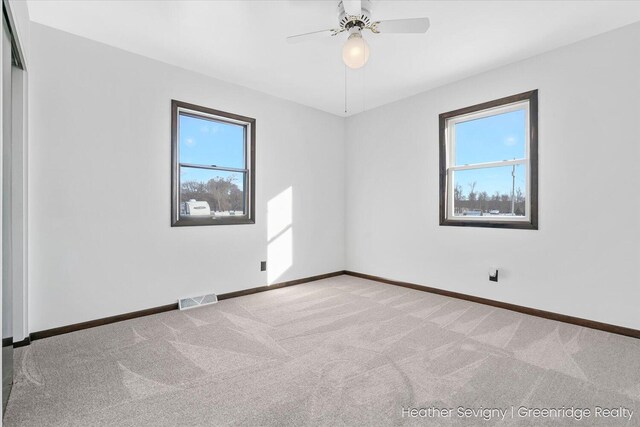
(187,303)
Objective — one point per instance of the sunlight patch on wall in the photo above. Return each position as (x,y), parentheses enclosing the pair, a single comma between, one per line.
(279,235)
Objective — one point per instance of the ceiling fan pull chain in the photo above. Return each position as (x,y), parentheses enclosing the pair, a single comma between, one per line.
(345,89)
(364,78)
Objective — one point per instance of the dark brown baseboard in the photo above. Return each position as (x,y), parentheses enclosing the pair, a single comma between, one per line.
(614,329)
(100,322)
(155,310)
(621,330)
(22,343)
(279,285)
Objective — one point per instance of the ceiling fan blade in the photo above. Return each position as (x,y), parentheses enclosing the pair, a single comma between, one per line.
(403,26)
(300,38)
(352,7)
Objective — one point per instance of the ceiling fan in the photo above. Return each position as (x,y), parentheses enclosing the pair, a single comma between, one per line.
(355,16)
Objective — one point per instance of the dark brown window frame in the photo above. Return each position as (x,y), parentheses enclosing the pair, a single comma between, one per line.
(250,218)
(532,222)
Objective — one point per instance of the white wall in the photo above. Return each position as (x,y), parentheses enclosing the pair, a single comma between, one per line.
(99,181)
(581,262)
(100,241)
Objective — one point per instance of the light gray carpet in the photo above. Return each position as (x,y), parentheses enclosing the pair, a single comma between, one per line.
(341,351)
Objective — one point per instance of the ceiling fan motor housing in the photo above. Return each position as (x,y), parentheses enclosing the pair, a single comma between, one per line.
(361,21)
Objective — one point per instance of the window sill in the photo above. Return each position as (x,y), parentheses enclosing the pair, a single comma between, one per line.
(514,224)
(192,222)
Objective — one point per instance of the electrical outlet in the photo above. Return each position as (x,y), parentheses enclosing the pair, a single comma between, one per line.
(263,265)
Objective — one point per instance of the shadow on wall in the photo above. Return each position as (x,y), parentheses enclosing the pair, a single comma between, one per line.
(279,235)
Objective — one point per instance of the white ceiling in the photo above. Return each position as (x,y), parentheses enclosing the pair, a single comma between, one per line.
(244,41)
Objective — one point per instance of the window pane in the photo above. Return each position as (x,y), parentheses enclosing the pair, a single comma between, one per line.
(488,191)
(491,139)
(210,142)
(207,193)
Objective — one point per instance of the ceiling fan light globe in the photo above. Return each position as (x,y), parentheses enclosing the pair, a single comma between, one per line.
(355,52)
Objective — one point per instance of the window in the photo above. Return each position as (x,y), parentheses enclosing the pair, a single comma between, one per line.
(489,164)
(212,166)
